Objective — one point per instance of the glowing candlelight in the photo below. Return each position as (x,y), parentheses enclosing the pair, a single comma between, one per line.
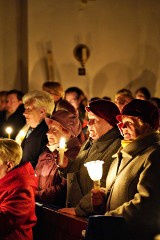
(9,131)
(22,134)
(95,172)
(62,148)
(62,143)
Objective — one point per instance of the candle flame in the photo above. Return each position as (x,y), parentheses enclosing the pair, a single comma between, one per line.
(62,142)
(9,130)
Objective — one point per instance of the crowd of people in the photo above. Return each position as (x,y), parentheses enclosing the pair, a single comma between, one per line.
(123,133)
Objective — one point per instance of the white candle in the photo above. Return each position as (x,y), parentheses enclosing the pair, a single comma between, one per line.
(61,150)
(22,135)
(9,131)
(62,143)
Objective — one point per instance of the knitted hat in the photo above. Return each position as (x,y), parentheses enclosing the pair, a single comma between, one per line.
(67,120)
(145,110)
(104,109)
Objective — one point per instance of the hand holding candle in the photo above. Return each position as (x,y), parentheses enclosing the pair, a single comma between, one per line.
(95,172)
(9,131)
(61,149)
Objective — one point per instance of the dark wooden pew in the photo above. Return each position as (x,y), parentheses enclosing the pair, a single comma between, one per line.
(106,228)
(53,225)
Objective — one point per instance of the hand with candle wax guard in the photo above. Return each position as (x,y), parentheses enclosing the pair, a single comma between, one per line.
(98,199)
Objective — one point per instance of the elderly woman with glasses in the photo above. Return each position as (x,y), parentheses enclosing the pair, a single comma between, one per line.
(51,187)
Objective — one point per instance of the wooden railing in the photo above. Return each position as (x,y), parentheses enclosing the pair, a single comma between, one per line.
(52,225)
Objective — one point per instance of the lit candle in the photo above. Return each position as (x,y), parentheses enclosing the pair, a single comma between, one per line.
(62,143)
(62,148)
(9,131)
(22,135)
(95,172)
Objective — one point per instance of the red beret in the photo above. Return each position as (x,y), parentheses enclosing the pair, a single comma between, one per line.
(104,109)
(67,120)
(145,110)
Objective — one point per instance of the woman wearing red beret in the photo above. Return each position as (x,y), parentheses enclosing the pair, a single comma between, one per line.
(132,185)
(51,187)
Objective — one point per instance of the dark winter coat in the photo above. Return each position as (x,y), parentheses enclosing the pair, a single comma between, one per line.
(35,144)
(80,185)
(52,187)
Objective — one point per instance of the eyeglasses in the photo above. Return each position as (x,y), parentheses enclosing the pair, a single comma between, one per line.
(92,121)
(29,110)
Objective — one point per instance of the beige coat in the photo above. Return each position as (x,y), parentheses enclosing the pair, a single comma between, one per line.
(136,191)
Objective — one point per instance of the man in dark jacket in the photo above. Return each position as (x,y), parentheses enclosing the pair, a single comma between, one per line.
(13,115)
(38,105)
(104,140)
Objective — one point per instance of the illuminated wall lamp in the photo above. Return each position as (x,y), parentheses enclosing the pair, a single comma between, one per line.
(81,52)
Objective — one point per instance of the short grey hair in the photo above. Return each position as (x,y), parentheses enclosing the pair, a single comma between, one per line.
(40,99)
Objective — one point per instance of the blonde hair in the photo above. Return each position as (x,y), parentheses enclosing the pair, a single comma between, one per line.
(40,99)
(10,151)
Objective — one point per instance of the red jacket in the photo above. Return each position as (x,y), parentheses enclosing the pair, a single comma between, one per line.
(17,204)
(52,187)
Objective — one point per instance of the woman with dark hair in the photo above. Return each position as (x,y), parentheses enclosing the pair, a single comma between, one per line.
(77,98)
(142,93)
